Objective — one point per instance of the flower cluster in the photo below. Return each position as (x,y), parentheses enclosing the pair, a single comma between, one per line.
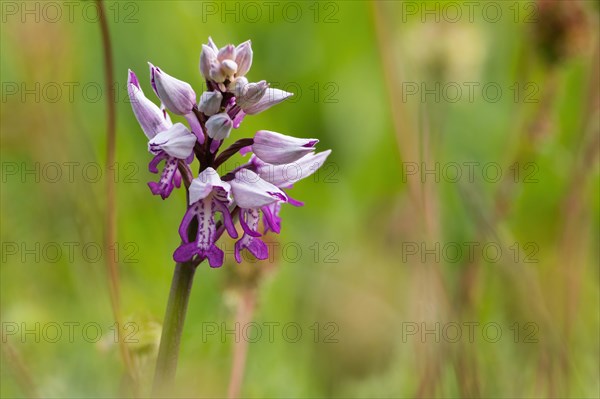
(255,188)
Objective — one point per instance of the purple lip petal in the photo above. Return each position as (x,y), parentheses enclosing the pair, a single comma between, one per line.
(311,144)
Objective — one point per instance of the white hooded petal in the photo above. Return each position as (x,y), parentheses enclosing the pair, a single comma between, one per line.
(150,117)
(284,176)
(176,141)
(250,93)
(207,181)
(270,98)
(250,191)
(277,149)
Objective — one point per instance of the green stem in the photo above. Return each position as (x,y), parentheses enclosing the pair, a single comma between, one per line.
(168,353)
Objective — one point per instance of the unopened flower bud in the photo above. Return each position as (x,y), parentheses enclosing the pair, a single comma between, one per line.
(237,86)
(252,93)
(226,53)
(243,57)
(208,60)
(210,102)
(219,126)
(269,99)
(178,96)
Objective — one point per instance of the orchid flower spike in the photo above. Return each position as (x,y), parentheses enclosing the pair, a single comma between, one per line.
(257,188)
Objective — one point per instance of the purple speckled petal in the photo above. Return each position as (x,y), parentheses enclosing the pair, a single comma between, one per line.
(165,185)
(205,212)
(177,178)
(256,247)
(247,229)
(204,244)
(248,241)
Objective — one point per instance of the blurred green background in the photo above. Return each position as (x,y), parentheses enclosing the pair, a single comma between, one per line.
(378,314)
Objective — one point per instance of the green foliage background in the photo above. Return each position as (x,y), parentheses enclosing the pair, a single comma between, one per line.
(348,65)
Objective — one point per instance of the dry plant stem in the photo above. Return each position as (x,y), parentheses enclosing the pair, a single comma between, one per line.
(166,364)
(245,312)
(407,144)
(110,214)
(575,215)
(19,369)
(423,196)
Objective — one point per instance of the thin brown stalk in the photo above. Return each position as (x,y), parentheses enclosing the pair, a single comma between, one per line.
(245,312)
(575,215)
(110,214)
(407,144)
(414,147)
(530,134)
(19,369)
